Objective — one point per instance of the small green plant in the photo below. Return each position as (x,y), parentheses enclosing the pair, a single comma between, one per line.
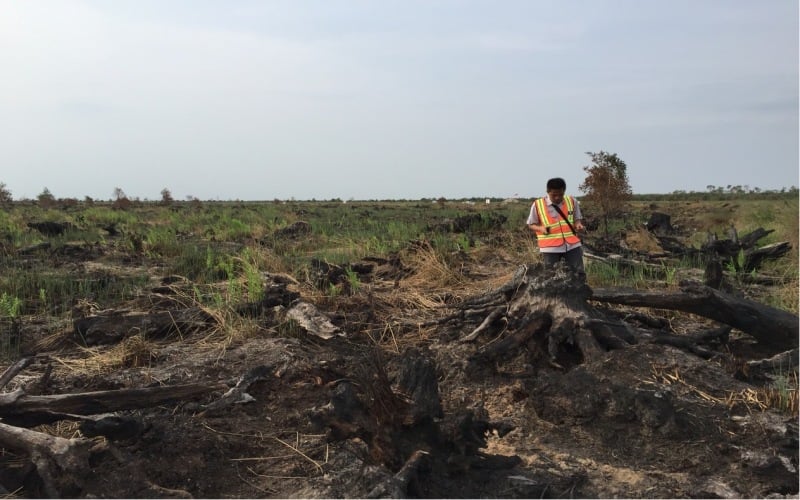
(352,280)
(785,393)
(255,285)
(736,264)
(161,242)
(670,273)
(464,242)
(603,274)
(10,306)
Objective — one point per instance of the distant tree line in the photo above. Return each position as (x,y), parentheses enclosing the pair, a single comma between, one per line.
(606,185)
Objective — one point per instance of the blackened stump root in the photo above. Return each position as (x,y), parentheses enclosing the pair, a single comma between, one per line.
(60,462)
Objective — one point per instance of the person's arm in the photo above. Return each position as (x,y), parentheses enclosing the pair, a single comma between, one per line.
(578,217)
(533,221)
(539,228)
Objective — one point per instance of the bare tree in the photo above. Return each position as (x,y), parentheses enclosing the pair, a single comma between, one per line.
(166,197)
(606,184)
(121,200)
(46,198)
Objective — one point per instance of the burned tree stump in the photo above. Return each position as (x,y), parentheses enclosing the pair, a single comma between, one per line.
(545,307)
(394,407)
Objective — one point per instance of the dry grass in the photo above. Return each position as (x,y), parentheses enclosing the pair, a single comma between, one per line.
(781,395)
(432,270)
(132,352)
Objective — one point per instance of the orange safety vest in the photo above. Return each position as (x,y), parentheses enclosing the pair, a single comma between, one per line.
(559,229)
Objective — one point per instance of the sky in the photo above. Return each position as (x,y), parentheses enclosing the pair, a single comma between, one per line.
(393,99)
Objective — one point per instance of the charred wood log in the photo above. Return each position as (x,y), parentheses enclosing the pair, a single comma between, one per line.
(659,223)
(713,275)
(772,327)
(730,249)
(238,393)
(12,371)
(418,380)
(493,316)
(274,295)
(51,228)
(783,362)
(396,486)
(113,427)
(751,239)
(114,326)
(18,408)
(755,258)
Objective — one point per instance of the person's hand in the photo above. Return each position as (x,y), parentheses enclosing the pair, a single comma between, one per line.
(579,226)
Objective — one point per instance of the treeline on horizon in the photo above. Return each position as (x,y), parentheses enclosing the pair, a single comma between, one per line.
(120,199)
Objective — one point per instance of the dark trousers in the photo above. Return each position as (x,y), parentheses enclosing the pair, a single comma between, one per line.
(574,259)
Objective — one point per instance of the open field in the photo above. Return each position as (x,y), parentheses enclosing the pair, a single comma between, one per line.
(207,292)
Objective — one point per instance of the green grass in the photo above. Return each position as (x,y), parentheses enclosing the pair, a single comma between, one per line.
(232,243)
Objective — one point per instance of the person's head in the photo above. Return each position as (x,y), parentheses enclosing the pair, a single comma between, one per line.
(555,189)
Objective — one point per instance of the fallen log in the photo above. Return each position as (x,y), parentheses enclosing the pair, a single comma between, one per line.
(754,258)
(782,363)
(772,327)
(27,410)
(114,326)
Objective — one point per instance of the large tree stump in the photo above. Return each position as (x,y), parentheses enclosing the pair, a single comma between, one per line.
(542,306)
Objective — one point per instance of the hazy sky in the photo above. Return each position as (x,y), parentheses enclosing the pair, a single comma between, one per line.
(374,99)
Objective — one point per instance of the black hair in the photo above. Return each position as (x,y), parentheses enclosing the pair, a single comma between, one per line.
(556,183)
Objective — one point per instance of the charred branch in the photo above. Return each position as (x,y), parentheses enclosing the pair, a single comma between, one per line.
(783,362)
(12,371)
(772,327)
(29,410)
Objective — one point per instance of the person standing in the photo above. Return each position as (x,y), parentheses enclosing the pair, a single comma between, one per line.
(556,220)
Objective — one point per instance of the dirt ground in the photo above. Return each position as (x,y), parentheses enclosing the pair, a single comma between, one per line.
(646,421)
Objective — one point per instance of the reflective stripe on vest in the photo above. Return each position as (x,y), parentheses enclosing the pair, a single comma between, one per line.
(559,229)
